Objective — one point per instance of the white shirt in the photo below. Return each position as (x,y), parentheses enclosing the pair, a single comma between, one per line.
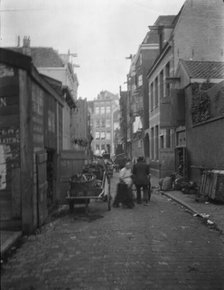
(125,175)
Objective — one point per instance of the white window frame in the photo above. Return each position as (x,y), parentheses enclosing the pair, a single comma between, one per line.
(140,80)
(97,110)
(103,110)
(102,135)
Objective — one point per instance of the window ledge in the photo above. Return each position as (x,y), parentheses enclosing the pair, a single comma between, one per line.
(208,121)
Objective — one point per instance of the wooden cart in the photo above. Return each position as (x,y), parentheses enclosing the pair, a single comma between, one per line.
(85,187)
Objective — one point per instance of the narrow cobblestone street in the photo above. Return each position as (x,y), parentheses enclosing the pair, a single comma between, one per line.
(160,246)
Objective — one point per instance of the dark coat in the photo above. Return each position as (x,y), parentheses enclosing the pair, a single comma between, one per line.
(140,173)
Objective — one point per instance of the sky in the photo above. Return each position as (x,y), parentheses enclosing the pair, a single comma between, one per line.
(102,33)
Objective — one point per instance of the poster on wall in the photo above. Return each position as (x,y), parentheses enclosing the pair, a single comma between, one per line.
(9,125)
(9,154)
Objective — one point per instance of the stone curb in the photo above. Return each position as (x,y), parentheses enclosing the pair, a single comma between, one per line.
(9,243)
(193,210)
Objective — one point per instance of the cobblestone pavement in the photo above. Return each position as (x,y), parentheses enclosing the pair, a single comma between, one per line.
(214,211)
(160,246)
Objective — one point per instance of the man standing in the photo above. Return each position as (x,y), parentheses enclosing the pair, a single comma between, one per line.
(141,176)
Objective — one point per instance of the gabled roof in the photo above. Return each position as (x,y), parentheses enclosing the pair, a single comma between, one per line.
(13,58)
(43,56)
(152,36)
(165,20)
(204,69)
(57,85)
(46,57)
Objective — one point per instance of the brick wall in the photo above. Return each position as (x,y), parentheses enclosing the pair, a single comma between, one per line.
(199,33)
(204,142)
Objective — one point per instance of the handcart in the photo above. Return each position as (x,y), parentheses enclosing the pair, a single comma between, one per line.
(84,187)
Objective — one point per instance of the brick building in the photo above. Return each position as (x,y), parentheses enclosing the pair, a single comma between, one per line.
(196,34)
(81,120)
(200,140)
(123,102)
(103,108)
(137,87)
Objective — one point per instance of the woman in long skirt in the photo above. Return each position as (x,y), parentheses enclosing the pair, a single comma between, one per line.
(124,192)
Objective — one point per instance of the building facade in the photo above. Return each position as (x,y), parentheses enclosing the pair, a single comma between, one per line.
(123,102)
(117,142)
(30,143)
(82,139)
(137,87)
(199,142)
(103,108)
(59,68)
(190,38)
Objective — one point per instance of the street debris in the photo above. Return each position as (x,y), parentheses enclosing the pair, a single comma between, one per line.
(165,183)
(186,186)
(184,227)
(204,215)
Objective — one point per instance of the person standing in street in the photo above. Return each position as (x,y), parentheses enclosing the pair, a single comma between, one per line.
(141,177)
(124,192)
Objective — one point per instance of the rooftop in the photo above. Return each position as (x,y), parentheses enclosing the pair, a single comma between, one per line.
(204,69)
(46,57)
(163,20)
(43,56)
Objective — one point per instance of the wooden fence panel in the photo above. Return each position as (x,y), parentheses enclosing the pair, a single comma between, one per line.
(71,162)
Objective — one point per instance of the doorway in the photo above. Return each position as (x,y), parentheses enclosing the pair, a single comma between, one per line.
(51,177)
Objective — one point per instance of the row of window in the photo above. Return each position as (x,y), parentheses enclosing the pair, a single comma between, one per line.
(135,81)
(102,135)
(159,88)
(102,110)
(103,123)
(102,147)
(159,140)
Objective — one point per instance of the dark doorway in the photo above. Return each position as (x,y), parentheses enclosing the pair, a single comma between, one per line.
(51,177)
(146,145)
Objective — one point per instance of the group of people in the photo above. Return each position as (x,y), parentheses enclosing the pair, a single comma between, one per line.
(139,176)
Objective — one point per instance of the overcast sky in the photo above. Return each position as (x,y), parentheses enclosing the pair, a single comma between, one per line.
(101,32)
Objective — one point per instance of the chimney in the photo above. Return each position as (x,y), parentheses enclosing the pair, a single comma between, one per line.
(18,41)
(26,45)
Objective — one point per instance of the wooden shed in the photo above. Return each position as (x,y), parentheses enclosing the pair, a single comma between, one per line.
(30,143)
